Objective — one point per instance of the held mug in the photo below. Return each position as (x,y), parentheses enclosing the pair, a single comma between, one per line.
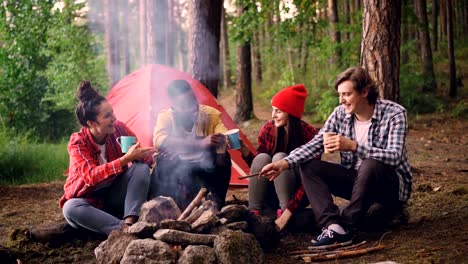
(233,137)
(125,142)
(327,135)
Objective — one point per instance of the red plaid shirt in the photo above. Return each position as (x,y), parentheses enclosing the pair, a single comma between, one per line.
(266,144)
(84,171)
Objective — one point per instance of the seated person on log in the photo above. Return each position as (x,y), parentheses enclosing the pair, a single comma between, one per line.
(191,149)
(105,188)
(276,139)
(371,138)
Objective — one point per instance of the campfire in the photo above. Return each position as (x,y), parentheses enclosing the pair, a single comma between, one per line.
(165,234)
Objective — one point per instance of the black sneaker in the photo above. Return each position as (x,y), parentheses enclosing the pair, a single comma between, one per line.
(330,237)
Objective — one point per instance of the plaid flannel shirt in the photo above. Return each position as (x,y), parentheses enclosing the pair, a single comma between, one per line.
(84,171)
(386,141)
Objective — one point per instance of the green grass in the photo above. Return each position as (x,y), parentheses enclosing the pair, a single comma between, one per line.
(22,162)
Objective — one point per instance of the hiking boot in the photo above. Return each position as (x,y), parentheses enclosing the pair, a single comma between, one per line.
(330,237)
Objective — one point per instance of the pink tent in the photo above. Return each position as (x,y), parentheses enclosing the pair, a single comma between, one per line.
(138,98)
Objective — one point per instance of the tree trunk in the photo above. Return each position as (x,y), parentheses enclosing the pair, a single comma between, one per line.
(334,32)
(443,19)
(124,18)
(404,32)
(380,45)
(256,59)
(112,41)
(244,109)
(225,51)
(170,34)
(435,15)
(451,54)
(429,81)
(159,27)
(142,20)
(347,16)
(204,36)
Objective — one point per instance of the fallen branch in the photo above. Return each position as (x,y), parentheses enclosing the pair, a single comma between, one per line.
(326,250)
(344,254)
(197,200)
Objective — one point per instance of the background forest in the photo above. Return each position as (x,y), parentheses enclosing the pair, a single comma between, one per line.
(417,50)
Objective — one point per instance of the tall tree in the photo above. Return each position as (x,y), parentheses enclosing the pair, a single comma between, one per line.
(429,83)
(124,17)
(160,30)
(256,59)
(334,32)
(142,9)
(435,16)
(451,53)
(244,109)
(225,51)
(347,19)
(443,19)
(170,33)
(151,31)
(204,36)
(404,32)
(380,45)
(111,25)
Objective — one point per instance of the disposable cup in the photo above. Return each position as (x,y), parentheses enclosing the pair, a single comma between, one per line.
(233,137)
(326,135)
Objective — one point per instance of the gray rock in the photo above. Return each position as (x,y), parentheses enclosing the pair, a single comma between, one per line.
(198,255)
(183,238)
(237,247)
(234,212)
(158,209)
(112,250)
(143,229)
(242,225)
(176,225)
(149,251)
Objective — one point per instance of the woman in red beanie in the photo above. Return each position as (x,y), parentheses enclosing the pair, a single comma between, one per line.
(277,138)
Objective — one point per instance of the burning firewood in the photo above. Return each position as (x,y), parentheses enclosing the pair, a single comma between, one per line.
(196,201)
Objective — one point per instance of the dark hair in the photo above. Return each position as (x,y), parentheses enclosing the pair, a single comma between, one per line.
(178,87)
(89,101)
(294,136)
(361,81)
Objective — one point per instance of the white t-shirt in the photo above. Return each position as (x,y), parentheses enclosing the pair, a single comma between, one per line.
(102,156)
(361,130)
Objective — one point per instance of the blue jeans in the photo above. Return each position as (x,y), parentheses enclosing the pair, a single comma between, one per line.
(122,198)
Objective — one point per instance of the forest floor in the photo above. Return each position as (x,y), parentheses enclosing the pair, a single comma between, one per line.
(437,231)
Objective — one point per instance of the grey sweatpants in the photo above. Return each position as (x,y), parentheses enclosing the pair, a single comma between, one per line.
(262,191)
(122,198)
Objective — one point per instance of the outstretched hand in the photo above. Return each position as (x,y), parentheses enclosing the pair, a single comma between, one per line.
(272,170)
(135,152)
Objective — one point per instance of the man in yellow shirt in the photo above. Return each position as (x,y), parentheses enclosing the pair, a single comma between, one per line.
(192,149)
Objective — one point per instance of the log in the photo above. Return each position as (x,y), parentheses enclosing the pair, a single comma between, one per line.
(197,212)
(197,200)
(206,221)
(320,250)
(183,238)
(344,254)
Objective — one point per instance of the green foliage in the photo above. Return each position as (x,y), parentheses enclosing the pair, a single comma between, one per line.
(45,54)
(29,162)
(460,109)
(328,101)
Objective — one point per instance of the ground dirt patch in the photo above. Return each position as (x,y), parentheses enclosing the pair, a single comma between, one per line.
(437,231)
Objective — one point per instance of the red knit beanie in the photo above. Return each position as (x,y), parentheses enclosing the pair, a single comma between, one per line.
(291,100)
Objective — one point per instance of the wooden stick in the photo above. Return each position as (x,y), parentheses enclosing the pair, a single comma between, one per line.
(195,202)
(344,254)
(320,250)
(248,176)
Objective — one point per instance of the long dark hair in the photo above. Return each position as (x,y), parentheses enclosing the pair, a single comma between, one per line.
(294,139)
(89,101)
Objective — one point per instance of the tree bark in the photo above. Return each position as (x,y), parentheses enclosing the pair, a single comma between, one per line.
(244,109)
(161,23)
(334,32)
(170,34)
(347,16)
(256,59)
(404,32)
(112,40)
(204,37)
(380,45)
(435,16)
(142,20)
(429,81)
(225,51)
(443,19)
(451,52)
(124,18)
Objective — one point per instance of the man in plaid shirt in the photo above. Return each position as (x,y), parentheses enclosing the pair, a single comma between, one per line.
(371,138)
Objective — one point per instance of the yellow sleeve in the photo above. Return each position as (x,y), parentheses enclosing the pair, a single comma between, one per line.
(163,127)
